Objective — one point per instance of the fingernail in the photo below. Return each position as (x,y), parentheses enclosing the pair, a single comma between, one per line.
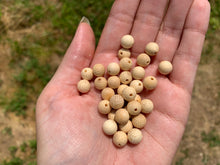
(85,20)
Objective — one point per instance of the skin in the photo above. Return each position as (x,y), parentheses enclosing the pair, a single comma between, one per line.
(69,127)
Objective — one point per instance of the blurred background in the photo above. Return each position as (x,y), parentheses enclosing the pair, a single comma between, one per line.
(34,35)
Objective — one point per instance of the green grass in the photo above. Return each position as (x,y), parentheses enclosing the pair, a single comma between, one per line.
(211,138)
(7,131)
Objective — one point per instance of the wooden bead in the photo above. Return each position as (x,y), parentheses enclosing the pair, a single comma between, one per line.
(127,41)
(129,93)
(98,70)
(114,82)
(147,106)
(83,86)
(150,82)
(134,108)
(138,98)
(125,63)
(152,48)
(125,77)
(116,102)
(124,53)
(121,116)
(135,136)
(120,89)
(138,73)
(120,139)
(126,127)
(111,115)
(137,85)
(113,69)
(139,121)
(87,74)
(100,83)
(104,107)
(143,60)
(165,67)
(109,127)
(107,93)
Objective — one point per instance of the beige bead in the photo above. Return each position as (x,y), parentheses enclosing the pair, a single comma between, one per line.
(127,41)
(109,127)
(120,139)
(104,107)
(135,136)
(111,115)
(113,69)
(125,63)
(129,93)
(134,108)
(121,116)
(138,98)
(83,86)
(120,89)
(165,67)
(150,82)
(147,106)
(100,83)
(114,82)
(116,102)
(125,77)
(139,121)
(152,48)
(126,127)
(124,53)
(98,70)
(87,74)
(138,73)
(137,85)
(143,60)
(107,93)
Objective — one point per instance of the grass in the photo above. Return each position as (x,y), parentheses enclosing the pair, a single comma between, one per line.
(211,138)
(7,131)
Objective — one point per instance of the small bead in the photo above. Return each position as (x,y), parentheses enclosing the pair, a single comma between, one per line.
(125,63)
(165,67)
(125,77)
(143,60)
(138,73)
(129,93)
(120,89)
(139,121)
(87,74)
(111,115)
(100,83)
(109,127)
(135,136)
(152,48)
(126,127)
(121,116)
(116,102)
(134,108)
(138,98)
(120,139)
(104,107)
(147,106)
(137,85)
(107,93)
(113,69)
(98,70)
(150,82)
(124,53)
(114,82)
(83,86)
(127,41)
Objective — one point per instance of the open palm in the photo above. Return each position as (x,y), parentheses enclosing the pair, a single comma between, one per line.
(69,127)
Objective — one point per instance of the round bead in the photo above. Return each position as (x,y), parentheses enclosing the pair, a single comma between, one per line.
(138,98)
(150,82)
(111,115)
(147,106)
(143,60)
(116,102)
(134,108)
(125,63)
(121,116)
(126,127)
(152,48)
(135,136)
(100,83)
(120,89)
(129,93)
(127,41)
(83,86)
(124,53)
(98,70)
(125,77)
(165,67)
(87,73)
(138,72)
(139,121)
(107,93)
(109,127)
(137,85)
(113,69)
(104,107)
(113,82)
(120,139)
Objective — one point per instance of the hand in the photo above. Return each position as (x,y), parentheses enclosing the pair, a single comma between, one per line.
(69,127)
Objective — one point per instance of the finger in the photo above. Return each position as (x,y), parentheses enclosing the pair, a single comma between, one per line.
(187,57)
